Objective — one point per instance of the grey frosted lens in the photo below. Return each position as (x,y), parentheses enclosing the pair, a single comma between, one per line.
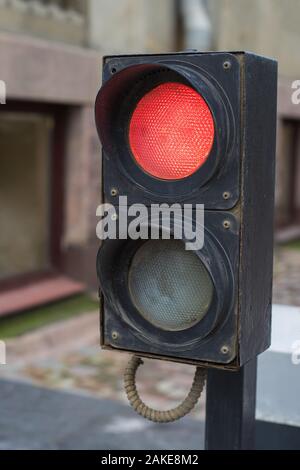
(169,286)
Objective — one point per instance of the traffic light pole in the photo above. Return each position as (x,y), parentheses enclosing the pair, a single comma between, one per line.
(230,408)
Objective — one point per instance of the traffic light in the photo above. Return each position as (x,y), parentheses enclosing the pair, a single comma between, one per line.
(184,130)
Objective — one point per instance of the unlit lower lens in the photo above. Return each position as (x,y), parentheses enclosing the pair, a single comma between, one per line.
(169,286)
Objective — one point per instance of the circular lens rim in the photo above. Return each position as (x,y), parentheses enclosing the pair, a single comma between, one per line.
(116,101)
(147,317)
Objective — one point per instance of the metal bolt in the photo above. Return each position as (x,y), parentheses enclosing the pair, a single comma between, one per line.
(226,195)
(113,191)
(224,349)
(115,335)
(114,217)
(226,65)
(226,224)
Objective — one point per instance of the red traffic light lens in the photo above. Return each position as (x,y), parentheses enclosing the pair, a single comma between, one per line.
(171,131)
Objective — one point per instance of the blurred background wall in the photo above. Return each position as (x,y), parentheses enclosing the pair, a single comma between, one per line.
(50,60)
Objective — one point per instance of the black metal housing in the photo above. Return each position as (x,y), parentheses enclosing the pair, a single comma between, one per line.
(125,80)
(201,341)
(236,186)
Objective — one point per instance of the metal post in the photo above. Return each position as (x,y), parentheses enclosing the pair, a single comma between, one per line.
(230,408)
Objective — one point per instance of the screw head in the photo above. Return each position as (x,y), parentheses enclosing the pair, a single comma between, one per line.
(226,195)
(224,349)
(226,65)
(226,224)
(113,191)
(115,335)
(114,217)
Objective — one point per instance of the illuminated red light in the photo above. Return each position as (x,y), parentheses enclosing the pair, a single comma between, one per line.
(171,131)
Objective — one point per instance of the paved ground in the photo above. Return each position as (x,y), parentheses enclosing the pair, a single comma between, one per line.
(37,418)
(286,287)
(85,369)
(91,371)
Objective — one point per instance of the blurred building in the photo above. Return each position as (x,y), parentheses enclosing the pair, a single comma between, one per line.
(271,28)
(50,60)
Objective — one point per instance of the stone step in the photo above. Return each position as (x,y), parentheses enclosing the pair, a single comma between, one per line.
(38,293)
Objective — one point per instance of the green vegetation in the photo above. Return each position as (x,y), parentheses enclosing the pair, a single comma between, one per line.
(295,245)
(21,323)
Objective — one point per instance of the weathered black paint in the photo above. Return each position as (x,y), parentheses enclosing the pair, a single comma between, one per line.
(257,205)
(230,408)
(220,255)
(243,100)
(119,95)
